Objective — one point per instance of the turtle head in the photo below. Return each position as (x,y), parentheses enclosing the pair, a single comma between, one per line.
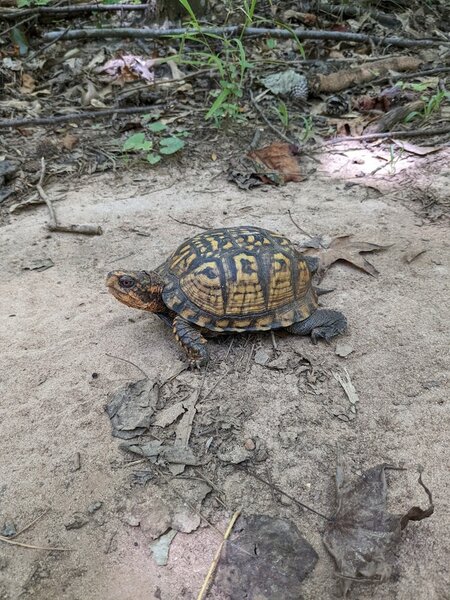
(138,289)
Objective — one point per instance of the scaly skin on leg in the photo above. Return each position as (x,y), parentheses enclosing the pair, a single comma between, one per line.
(192,341)
(323,323)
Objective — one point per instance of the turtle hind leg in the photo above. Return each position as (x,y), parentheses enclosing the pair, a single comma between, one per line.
(191,340)
(323,323)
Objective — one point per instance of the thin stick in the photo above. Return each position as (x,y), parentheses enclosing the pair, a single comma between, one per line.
(389,134)
(279,133)
(44,48)
(212,569)
(280,491)
(38,518)
(130,363)
(298,226)
(187,223)
(13,543)
(82,116)
(237,30)
(54,225)
(70,10)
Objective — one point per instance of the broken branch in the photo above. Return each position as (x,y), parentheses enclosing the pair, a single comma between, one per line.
(236,30)
(54,225)
(92,114)
(389,134)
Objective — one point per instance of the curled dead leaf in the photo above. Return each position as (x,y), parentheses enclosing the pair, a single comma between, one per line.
(363,534)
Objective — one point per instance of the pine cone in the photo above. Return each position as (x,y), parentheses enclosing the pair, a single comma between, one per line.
(336,106)
(300,90)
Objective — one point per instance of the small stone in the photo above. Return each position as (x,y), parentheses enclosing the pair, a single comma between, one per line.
(78,521)
(94,506)
(249,444)
(261,357)
(343,349)
(76,464)
(131,520)
(9,529)
(428,385)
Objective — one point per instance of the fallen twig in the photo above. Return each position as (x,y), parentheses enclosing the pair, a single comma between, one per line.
(280,491)
(212,569)
(82,116)
(343,11)
(23,545)
(11,539)
(54,225)
(189,224)
(130,363)
(389,134)
(278,133)
(298,226)
(236,30)
(12,13)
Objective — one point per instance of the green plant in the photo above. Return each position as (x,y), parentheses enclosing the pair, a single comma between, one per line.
(225,55)
(155,148)
(432,104)
(393,159)
(283,114)
(308,128)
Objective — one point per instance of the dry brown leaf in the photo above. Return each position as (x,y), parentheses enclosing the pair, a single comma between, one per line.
(363,534)
(28,84)
(342,248)
(279,158)
(69,141)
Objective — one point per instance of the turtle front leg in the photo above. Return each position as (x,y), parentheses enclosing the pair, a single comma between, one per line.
(323,323)
(191,340)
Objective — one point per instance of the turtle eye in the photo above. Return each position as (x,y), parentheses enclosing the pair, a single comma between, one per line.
(126,281)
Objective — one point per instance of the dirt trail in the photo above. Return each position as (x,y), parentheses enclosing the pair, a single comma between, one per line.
(59,324)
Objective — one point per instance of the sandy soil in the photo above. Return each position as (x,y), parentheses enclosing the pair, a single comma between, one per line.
(59,324)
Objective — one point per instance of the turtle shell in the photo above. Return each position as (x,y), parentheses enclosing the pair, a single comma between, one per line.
(239,279)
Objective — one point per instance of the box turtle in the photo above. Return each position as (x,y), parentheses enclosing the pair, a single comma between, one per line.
(236,279)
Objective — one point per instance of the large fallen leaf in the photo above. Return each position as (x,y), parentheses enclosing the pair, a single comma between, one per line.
(343,248)
(275,164)
(264,558)
(363,534)
(129,68)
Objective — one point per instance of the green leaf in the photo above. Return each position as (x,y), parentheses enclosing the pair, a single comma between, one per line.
(137,142)
(217,103)
(134,141)
(153,158)
(170,145)
(156,127)
(271,43)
